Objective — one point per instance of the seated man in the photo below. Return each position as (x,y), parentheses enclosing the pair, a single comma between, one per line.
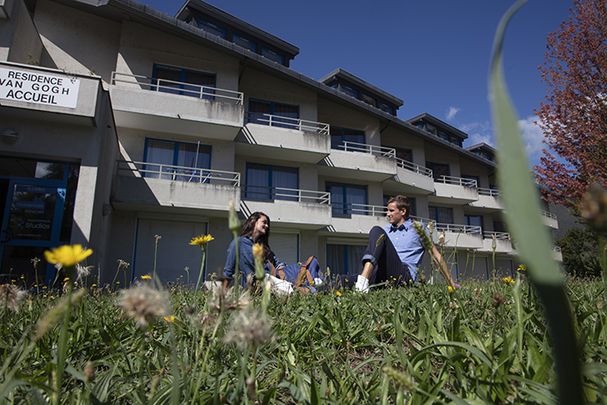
(395,252)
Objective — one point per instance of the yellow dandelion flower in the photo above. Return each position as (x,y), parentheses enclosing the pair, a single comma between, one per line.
(169,318)
(93,285)
(201,240)
(451,289)
(66,280)
(508,280)
(257,250)
(521,267)
(146,277)
(67,255)
(338,293)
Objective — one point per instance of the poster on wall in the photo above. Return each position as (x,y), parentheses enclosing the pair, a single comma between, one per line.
(38,88)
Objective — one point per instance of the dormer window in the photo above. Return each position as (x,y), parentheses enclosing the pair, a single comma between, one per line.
(245,42)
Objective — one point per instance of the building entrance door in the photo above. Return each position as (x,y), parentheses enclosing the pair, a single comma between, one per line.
(32,210)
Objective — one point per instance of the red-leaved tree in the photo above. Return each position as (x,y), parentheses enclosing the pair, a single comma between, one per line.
(573,115)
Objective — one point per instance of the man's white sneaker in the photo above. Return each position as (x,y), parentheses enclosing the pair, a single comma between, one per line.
(362,284)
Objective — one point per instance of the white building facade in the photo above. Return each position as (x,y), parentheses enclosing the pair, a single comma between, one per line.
(119,124)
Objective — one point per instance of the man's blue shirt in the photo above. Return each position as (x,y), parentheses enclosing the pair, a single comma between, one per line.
(408,245)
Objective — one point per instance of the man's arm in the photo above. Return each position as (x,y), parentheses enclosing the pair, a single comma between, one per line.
(442,265)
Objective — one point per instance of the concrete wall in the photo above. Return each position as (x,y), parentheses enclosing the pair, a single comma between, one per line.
(19,39)
(401,138)
(141,47)
(76,41)
(261,85)
(340,115)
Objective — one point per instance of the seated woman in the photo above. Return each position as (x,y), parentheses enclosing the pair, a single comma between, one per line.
(256,229)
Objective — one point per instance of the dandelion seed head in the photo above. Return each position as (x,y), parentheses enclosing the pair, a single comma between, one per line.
(249,328)
(11,296)
(144,304)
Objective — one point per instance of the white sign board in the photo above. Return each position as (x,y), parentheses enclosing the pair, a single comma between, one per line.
(38,88)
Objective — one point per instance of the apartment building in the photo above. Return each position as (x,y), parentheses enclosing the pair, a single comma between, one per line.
(129,131)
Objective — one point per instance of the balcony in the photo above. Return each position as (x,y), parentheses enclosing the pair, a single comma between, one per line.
(156,187)
(550,219)
(459,236)
(161,105)
(276,137)
(502,240)
(410,179)
(488,200)
(301,209)
(360,161)
(360,221)
(454,190)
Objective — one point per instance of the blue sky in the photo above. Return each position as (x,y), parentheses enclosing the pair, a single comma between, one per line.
(433,54)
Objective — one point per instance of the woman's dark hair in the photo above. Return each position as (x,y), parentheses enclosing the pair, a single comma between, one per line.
(247,230)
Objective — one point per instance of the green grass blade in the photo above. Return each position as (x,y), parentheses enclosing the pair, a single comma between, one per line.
(522,211)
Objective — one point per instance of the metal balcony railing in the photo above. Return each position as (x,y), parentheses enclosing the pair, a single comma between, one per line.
(458,181)
(288,122)
(375,150)
(549,214)
(262,193)
(405,164)
(457,228)
(177,173)
(370,210)
(180,88)
(492,192)
(498,235)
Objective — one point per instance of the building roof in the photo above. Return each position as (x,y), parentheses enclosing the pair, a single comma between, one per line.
(342,73)
(235,22)
(439,123)
(482,145)
(116,9)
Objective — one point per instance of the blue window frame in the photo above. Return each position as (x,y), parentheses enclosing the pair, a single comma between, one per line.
(438,169)
(344,259)
(443,215)
(186,82)
(269,183)
(474,220)
(244,41)
(188,156)
(341,135)
(259,108)
(272,55)
(211,27)
(345,196)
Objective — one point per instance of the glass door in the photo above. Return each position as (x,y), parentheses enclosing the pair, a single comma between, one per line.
(31,223)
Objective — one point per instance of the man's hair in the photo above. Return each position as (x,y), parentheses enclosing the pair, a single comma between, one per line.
(402,203)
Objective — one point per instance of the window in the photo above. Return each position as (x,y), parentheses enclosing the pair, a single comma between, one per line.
(405,154)
(341,135)
(349,90)
(442,215)
(211,27)
(444,135)
(245,42)
(438,169)
(386,107)
(187,156)
(259,108)
(474,220)
(499,226)
(470,177)
(176,80)
(367,99)
(347,199)
(272,55)
(344,259)
(268,183)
